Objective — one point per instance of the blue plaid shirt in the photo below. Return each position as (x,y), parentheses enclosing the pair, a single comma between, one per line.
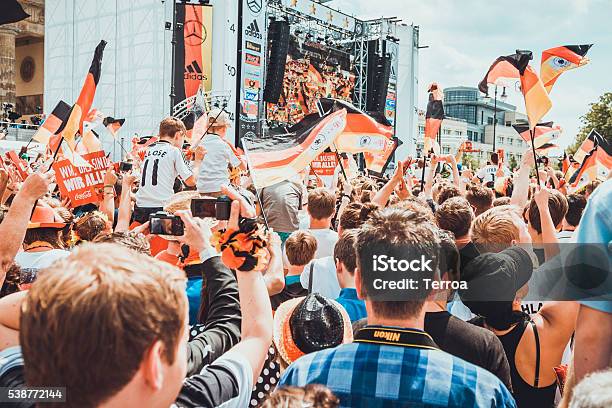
(373,375)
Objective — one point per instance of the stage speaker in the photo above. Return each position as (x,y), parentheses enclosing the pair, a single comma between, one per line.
(379,83)
(278,35)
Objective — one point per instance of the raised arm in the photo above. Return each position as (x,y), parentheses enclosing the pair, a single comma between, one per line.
(107,206)
(549,233)
(15,223)
(275,276)
(382,196)
(520,193)
(125,202)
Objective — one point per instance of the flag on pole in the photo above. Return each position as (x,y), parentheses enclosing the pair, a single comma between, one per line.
(112,124)
(377,163)
(433,116)
(565,164)
(503,72)
(556,61)
(537,102)
(542,134)
(88,91)
(363,132)
(596,166)
(52,123)
(277,157)
(593,140)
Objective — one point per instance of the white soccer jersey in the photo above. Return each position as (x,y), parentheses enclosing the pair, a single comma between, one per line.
(162,164)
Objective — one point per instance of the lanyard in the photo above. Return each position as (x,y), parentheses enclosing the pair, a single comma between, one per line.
(395,337)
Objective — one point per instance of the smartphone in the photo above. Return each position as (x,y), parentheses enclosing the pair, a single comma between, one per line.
(218,208)
(163,223)
(124,167)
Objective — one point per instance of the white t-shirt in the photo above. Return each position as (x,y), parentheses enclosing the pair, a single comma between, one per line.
(324,278)
(163,163)
(39,260)
(213,170)
(487,173)
(326,239)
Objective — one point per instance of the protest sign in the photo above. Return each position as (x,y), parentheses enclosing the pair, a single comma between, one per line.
(20,164)
(82,185)
(324,166)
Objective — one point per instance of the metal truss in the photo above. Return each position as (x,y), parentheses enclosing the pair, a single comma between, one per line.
(201,102)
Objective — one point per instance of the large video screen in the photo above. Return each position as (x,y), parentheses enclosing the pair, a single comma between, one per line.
(314,70)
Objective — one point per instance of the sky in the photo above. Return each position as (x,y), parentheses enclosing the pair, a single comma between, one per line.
(465,37)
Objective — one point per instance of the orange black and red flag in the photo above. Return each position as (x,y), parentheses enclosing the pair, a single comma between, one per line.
(543,133)
(596,166)
(112,124)
(278,156)
(434,115)
(593,140)
(52,123)
(85,99)
(557,60)
(364,132)
(537,102)
(565,164)
(503,72)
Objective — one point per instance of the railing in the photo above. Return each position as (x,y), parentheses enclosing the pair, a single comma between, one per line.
(20,132)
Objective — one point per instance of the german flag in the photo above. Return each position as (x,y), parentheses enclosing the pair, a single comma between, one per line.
(546,148)
(565,164)
(556,61)
(433,116)
(88,91)
(363,132)
(52,123)
(537,102)
(12,12)
(279,156)
(377,163)
(503,72)
(543,133)
(113,125)
(596,166)
(593,140)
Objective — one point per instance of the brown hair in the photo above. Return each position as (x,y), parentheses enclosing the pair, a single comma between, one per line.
(300,248)
(129,239)
(448,191)
(311,395)
(480,197)
(495,229)
(355,214)
(402,234)
(169,126)
(418,206)
(321,203)
(48,235)
(91,303)
(557,205)
(501,201)
(456,216)
(575,208)
(89,225)
(344,250)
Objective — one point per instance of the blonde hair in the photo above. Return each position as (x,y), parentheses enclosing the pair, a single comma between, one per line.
(91,303)
(180,201)
(495,229)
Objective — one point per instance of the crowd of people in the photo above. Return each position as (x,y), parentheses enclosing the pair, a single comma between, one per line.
(274,305)
(304,83)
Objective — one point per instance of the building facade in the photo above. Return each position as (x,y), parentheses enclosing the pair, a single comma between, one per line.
(22,61)
(470,116)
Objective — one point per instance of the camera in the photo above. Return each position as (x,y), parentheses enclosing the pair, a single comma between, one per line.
(218,208)
(125,166)
(163,223)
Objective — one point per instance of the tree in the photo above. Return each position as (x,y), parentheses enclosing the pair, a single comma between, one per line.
(512,163)
(468,161)
(599,117)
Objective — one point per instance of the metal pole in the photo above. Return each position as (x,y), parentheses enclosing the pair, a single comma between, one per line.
(172,89)
(535,157)
(494,117)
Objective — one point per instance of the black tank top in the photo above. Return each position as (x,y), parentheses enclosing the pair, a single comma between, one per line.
(526,395)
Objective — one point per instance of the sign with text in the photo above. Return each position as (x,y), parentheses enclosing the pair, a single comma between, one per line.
(324,166)
(82,184)
(22,167)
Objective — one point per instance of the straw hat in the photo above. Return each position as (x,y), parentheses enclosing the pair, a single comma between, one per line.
(45,217)
(307,324)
